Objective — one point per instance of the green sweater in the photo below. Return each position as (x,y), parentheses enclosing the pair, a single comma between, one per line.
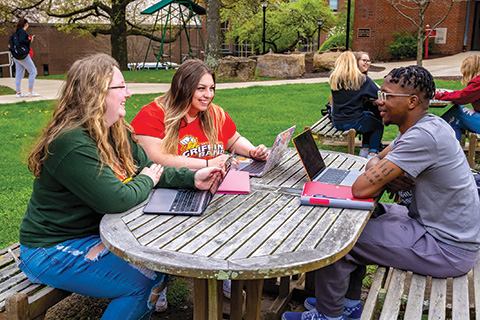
(71,196)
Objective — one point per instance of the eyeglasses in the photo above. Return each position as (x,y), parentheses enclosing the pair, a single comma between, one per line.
(383,95)
(119,87)
(365,60)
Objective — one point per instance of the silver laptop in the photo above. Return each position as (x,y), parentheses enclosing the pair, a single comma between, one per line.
(184,201)
(257,168)
(315,166)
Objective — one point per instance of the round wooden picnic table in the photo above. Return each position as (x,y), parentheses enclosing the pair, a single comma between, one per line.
(261,235)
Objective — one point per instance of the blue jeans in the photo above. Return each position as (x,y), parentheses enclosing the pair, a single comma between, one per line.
(369,126)
(65,266)
(462,118)
(20,67)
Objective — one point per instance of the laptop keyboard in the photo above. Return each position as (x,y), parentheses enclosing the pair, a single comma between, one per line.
(333,176)
(187,200)
(254,166)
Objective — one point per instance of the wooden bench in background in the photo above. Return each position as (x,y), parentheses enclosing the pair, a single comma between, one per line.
(20,299)
(454,298)
(325,133)
(471,147)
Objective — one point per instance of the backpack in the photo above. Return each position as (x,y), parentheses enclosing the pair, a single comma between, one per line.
(19,51)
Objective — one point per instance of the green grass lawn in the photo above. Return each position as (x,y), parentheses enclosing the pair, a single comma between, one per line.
(152,76)
(259,113)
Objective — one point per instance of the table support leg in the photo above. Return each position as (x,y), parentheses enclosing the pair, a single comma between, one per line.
(236,301)
(215,299)
(254,299)
(200,299)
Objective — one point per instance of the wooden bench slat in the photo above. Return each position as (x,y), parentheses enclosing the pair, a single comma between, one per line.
(416,296)
(19,297)
(476,288)
(393,298)
(374,294)
(438,298)
(460,304)
(323,130)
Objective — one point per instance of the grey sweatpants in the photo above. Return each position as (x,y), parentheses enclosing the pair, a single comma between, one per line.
(392,239)
(20,67)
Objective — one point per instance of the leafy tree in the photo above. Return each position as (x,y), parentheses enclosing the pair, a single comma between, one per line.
(414,11)
(286,22)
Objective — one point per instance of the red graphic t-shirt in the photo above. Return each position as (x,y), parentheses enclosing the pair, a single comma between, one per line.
(193,142)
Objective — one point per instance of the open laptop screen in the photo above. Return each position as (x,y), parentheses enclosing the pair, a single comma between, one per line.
(309,154)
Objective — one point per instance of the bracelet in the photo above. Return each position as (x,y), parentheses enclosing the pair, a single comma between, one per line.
(207,161)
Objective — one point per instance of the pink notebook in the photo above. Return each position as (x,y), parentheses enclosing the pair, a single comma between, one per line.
(317,193)
(235,182)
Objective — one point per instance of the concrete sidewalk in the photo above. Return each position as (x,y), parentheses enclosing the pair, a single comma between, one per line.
(49,89)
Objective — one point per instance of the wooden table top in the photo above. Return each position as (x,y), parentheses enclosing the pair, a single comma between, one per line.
(260,235)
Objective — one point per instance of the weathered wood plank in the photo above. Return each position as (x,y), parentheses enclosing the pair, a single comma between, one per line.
(393,298)
(415,299)
(460,304)
(373,294)
(476,288)
(438,299)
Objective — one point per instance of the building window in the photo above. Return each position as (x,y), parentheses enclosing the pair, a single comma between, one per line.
(334,5)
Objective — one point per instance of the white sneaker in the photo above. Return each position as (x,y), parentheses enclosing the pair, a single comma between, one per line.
(363,153)
(20,95)
(33,94)
(162,303)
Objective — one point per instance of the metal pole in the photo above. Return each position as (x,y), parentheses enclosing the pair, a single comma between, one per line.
(348,24)
(264,10)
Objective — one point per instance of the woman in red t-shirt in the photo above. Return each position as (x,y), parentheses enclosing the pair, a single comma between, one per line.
(183,128)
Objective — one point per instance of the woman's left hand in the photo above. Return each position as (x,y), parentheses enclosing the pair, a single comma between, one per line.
(206,176)
(259,152)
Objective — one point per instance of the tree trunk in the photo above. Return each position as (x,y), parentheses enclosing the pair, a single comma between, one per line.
(213,38)
(118,37)
(420,47)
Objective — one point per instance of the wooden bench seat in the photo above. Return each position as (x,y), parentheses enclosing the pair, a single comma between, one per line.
(324,131)
(453,298)
(472,147)
(19,297)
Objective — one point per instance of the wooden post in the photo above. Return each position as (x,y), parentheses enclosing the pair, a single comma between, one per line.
(16,306)
(254,299)
(351,141)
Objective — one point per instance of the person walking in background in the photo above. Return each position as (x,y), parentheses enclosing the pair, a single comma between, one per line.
(24,64)
(350,87)
(460,117)
(87,164)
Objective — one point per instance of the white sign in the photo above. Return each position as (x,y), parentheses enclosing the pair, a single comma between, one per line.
(441,37)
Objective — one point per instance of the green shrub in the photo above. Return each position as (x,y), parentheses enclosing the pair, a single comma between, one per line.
(337,40)
(404,45)
(177,292)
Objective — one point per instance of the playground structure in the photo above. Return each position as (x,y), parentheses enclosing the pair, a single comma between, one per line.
(175,17)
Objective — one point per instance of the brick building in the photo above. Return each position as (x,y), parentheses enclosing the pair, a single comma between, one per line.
(376,20)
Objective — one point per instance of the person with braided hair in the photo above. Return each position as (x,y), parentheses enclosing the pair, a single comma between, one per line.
(438,235)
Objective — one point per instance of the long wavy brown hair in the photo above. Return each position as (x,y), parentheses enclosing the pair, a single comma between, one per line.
(82,104)
(178,99)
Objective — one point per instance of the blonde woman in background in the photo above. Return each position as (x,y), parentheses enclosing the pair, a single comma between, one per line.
(349,88)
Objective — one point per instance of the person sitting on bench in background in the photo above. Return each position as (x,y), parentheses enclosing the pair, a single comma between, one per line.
(439,235)
(349,89)
(460,117)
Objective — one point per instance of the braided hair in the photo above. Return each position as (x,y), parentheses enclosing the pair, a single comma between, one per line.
(415,78)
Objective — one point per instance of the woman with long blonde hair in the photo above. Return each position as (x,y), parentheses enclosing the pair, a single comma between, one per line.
(349,88)
(87,164)
(183,128)
(459,116)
